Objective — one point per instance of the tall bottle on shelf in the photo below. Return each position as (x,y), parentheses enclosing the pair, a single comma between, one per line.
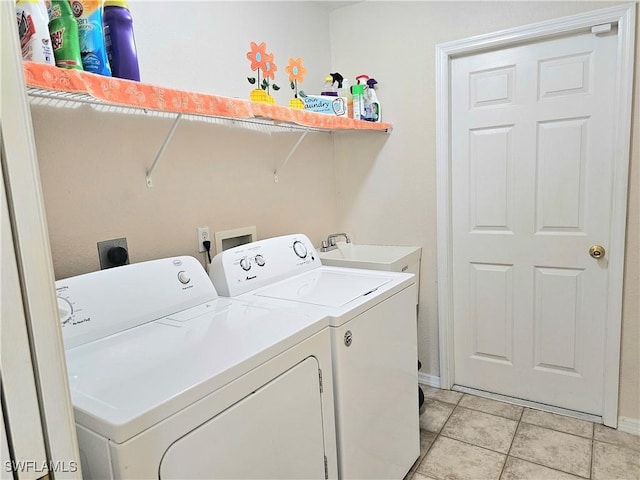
(120,40)
(357,93)
(33,29)
(63,29)
(345,92)
(88,14)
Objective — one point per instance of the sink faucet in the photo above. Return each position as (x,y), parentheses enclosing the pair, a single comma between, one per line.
(330,243)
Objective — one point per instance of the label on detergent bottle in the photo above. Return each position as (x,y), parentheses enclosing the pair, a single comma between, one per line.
(357,92)
(63,30)
(34,32)
(88,14)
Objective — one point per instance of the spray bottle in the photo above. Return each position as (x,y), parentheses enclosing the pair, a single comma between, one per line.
(329,89)
(367,111)
(375,115)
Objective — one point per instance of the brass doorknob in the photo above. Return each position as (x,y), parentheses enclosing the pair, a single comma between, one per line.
(597,251)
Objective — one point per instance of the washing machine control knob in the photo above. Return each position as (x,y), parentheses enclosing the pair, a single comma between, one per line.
(245,264)
(183,277)
(300,249)
(65,310)
(259,260)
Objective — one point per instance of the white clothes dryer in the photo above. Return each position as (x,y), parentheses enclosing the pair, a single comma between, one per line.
(169,381)
(372,319)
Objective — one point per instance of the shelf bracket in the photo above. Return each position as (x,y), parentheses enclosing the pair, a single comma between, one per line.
(295,147)
(161,151)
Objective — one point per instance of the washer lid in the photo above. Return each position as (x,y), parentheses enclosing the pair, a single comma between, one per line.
(325,288)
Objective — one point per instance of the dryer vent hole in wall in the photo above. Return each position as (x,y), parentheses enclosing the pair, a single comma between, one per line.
(113,253)
(228,243)
(227,239)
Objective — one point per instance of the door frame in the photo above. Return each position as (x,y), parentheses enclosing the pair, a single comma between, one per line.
(624,16)
(34,264)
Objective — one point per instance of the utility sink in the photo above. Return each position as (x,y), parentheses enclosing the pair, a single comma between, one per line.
(373,257)
(390,258)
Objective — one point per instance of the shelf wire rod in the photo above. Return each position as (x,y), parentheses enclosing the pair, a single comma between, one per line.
(162,149)
(295,147)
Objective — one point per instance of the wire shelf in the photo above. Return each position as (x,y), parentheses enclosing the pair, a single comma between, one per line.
(257,118)
(61,99)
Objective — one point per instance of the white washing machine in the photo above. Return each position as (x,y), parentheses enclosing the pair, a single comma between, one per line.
(169,381)
(372,319)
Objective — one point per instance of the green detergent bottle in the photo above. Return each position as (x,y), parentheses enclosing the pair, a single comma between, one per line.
(63,29)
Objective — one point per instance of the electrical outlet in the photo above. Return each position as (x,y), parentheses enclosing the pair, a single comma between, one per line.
(203,235)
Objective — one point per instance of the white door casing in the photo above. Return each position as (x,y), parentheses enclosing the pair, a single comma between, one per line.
(514,227)
(33,256)
(5,456)
(20,405)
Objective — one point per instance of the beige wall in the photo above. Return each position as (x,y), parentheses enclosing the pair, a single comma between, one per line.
(221,177)
(201,45)
(630,361)
(93,164)
(387,192)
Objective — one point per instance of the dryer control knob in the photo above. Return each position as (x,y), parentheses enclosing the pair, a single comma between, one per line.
(300,249)
(245,264)
(65,310)
(260,260)
(183,277)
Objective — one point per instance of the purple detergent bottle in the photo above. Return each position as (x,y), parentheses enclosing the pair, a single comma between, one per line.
(120,41)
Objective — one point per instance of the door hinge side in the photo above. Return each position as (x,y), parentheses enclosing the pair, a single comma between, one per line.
(326,468)
(320,380)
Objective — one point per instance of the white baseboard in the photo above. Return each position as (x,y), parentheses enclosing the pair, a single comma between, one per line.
(431,380)
(629,425)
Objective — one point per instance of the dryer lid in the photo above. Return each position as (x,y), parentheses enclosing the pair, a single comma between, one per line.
(125,383)
(325,288)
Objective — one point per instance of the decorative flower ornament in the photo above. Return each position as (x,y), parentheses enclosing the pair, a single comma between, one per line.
(296,74)
(270,68)
(295,70)
(256,55)
(261,60)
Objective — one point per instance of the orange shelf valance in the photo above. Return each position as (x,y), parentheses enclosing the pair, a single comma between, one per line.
(126,93)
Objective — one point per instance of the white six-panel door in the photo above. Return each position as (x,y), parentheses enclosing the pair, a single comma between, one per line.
(531,191)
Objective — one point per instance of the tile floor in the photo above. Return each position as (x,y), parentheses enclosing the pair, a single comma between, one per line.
(467,437)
